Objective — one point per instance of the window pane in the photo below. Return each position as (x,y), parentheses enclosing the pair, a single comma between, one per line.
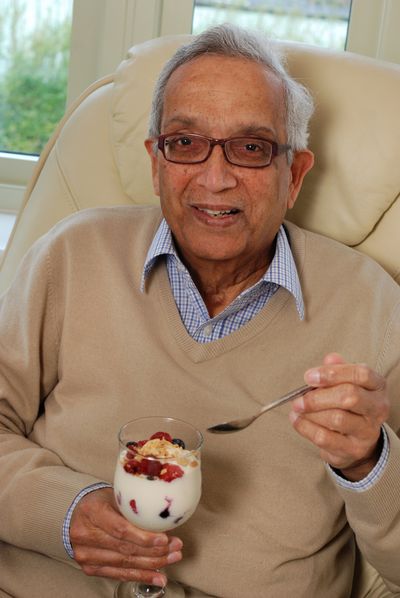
(317,22)
(34,55)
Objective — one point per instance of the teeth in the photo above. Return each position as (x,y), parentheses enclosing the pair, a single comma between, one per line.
(216,213)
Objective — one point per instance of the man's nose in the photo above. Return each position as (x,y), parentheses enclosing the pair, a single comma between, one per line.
(216,173)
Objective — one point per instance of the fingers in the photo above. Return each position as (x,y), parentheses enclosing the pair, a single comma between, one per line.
(80,536)
(343,414)
(108,545)
(337,420)
(149,577)
(99,519)
(338,449)
(99,556)
(110,563)
(104,563)
(336,371)
(348,397)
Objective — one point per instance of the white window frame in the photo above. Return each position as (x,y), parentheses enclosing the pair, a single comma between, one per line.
(103,30)
(374,29)
(110,27)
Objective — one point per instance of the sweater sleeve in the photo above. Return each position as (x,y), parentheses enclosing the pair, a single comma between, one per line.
(36,488)
(374,514)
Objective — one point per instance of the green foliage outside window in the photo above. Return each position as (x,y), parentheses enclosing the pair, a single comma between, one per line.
(34,62)
(33,86)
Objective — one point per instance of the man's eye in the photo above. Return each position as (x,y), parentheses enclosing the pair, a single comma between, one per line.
(184,141)
(179,141)
(252,147)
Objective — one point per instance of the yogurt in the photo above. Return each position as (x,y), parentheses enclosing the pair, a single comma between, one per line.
(157,485)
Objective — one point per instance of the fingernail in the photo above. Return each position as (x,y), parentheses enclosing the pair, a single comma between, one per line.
(160,541)
(173,557)
(159,581)
(312,376)
(175,544)
(293,416)
(298,404)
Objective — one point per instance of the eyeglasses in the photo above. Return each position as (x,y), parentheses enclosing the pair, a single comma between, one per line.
(249,151)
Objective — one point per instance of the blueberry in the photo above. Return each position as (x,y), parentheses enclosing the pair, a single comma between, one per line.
(178,442)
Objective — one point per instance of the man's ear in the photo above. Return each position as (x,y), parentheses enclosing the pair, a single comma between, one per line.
(149,145)
(303,161)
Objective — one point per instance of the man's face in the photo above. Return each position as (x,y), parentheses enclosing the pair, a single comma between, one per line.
(222,97)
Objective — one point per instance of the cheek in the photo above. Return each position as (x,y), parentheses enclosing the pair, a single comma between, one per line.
(262,195)
(171,192)
(276,190)
(174,181)
(268,200)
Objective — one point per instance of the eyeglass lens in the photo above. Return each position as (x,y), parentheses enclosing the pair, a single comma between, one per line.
(243,151)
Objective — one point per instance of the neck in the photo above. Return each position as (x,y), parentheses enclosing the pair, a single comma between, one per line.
(219,283)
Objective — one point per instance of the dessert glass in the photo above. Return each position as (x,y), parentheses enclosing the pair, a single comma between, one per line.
(160,489)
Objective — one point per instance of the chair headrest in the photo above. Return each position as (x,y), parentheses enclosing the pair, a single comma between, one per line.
(352,134)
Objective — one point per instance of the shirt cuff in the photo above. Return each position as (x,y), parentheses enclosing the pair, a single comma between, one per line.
(373,476)
(67,520)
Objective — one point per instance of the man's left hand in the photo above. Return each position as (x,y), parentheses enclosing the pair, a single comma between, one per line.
(343,415)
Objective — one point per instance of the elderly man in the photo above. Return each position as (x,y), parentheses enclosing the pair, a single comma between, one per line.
(221,307)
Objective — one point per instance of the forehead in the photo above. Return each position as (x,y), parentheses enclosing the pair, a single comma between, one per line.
(224,92)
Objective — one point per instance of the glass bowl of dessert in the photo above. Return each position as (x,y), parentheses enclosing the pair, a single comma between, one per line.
(157,482)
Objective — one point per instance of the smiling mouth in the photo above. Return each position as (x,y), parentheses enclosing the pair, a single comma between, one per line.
(219,213)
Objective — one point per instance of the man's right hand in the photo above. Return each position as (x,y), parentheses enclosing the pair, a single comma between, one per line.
(107,545)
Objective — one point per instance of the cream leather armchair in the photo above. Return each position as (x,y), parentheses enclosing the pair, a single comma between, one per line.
(96,157)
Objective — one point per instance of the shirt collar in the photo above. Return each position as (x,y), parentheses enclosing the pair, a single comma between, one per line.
(162,244)
(282,270)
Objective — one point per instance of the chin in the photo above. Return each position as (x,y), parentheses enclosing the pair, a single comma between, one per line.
(214,254)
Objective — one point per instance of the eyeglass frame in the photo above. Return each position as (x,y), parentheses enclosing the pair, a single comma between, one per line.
(277,148)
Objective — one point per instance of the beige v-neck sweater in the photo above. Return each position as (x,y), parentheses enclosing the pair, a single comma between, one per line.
(83,350)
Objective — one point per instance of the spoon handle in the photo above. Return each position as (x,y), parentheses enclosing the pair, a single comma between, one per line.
(239,424)
(298,392)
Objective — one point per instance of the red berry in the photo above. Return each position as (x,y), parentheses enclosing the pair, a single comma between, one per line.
(162,435)
(171,472)
(133,505)
(150,467)
(132,467)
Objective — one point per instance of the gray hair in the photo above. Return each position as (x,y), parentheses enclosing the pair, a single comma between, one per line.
(233,41)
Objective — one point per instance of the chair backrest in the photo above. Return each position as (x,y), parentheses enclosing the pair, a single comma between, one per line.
(96,156)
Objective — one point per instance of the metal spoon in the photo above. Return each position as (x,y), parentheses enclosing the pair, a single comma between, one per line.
(239,424)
